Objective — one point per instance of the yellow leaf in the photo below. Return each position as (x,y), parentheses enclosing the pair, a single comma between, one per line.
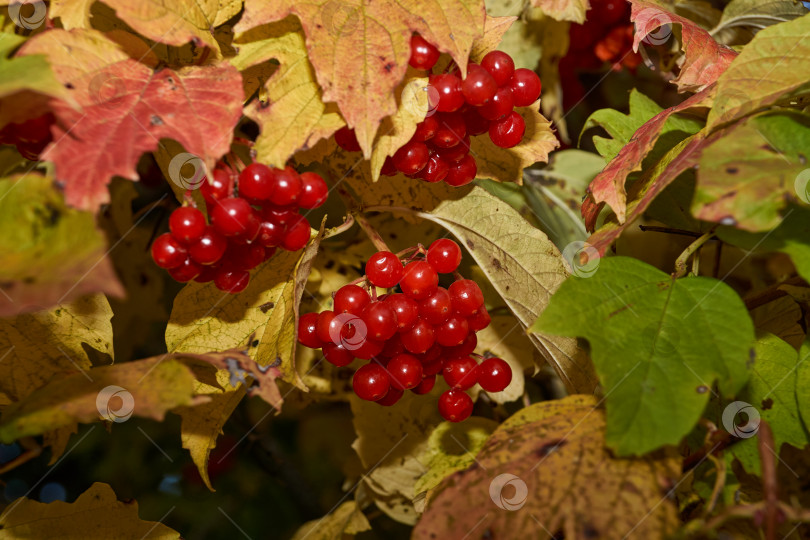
(564,10)
(346,519)
(494,30)
(506,165)
(292,114)
(546,471)
(96,513)
(360,48)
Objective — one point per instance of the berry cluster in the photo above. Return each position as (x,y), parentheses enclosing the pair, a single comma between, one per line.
(409,337)
(244,229)
(483,102)
(30,137)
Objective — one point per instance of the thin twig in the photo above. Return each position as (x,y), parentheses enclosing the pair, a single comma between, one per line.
(770,487)
(680,263)
(668,230)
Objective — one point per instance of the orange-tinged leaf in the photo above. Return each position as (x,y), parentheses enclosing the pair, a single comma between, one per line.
(360,48)
(494,29)
(128,108)
(704,59)
(564,10)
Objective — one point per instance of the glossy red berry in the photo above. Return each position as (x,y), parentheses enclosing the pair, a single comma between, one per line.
(423,54)
(388,168)
(314,190)
(187,271)
(256,181)
(281,215)
(419,281)
(245,256)
(451,130)
(209,248)
(296,235)
(448,87)
(233,216)
(381,321)
(467,346)
(461,372)
(425,386)
(455,405)
(508,131)
(419,338)
(219,185)
(207,275)
(499,106)
(479,86)
(367,349)
(337,355)
(271,234)
(307,331)
(525,86)
(323,327)
(476,124)
(463,172)
(406,310)
(444,255)
(494,374)
(411,157)
(230,280)
(426,129)
(393,346)
(391,397)
(466,296)
(437,307)
(500,65)
(371,382)
(452,331)
(436,169)
(351,299)
(288,187)
(479,320)
(167,252)
(405,371)
(187,224)
(456,153)
(347,140)
(384,269)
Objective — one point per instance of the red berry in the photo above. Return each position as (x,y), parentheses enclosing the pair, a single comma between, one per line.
(449,88)
(381,321)
(207,275)
(500,65)
(388,168)
(426,129)
(281,215)
(187,224)
(411,157)
(406,310)
(455,405)
(256,181)
(297,234)
(391,397)
(525,86)
(435,170)
(476,124)
(433,367)
(499,106)
(187,271)
(456,153)
(451,130)
(462,173)
(508,131)
(271,234)
(437,307)
(436,352)
(461,372)
(384,269)
(368,348)
(233,216)
(479,320)
(419,338)
(371,382)
(479,86)
(351,299)
(269,252)
(419,281)
(466,296)
(347,140)
(467,346)
(453,331)
(323,328)
(245,256)
(314,192)
(337,355)
(393,347)
(444,255)
(288,187)
(167,252)
(494,375)
(425,386)
(423,54)
(405,371)
(209,248)
(232,281)
(307,331)
(217,186)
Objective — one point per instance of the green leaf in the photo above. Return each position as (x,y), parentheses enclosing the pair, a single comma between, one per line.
(655,343)
(752,16)
(51,253)
(748,174)
(802,384)
(773,391)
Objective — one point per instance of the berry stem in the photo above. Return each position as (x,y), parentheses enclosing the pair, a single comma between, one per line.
(372,233)
(348,222)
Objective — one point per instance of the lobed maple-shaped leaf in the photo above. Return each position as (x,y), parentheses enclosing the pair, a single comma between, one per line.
(127,108)
(564,10)
(360,48)
(704,59)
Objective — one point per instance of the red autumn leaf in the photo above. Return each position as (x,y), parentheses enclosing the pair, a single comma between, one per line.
(704,59)
(608,186)
(127,107)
